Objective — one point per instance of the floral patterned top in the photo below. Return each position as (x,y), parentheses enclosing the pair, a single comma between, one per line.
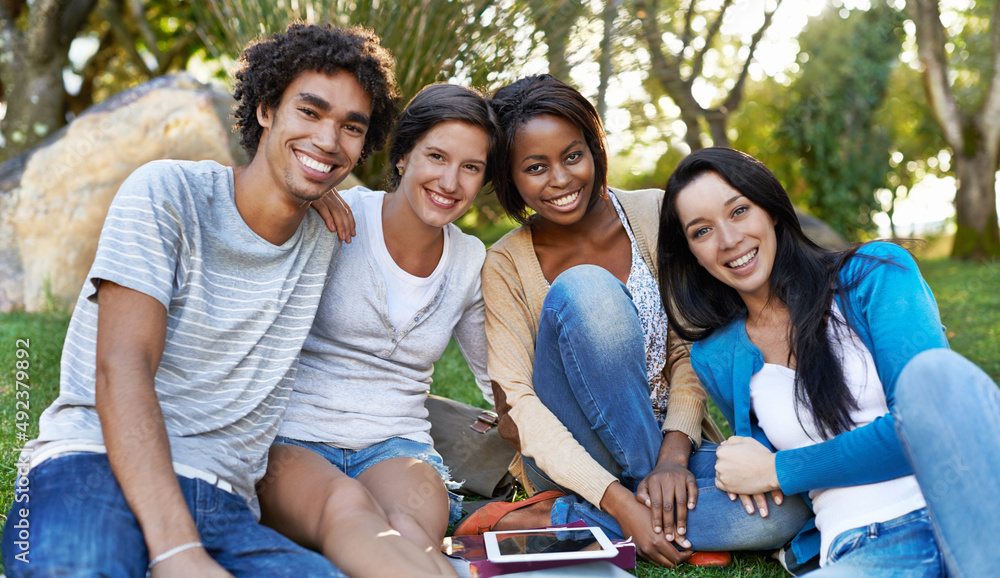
(646,296)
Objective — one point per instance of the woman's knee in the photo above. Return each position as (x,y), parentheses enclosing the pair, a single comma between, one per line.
(586,277)
(937,381)
(421,530)
(421,510)
(345,499)
(428,495)
(926,372)
(588,288)
(589,300)
(717,523)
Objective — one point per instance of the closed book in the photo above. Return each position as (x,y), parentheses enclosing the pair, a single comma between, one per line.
(599,569)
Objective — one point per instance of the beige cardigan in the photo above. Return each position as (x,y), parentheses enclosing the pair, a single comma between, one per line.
(514,289)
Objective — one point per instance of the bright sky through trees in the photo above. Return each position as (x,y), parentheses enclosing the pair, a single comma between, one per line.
(929,202)
(776,57)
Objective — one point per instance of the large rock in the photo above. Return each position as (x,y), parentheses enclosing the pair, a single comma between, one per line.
(820,232)
(53,199)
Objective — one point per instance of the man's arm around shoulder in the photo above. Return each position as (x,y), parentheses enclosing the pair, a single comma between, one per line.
(131,330)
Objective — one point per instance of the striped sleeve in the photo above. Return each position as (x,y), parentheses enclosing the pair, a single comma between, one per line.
(142,237)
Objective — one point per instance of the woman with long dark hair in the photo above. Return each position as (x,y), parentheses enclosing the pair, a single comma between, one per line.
(593,385)
(824,362)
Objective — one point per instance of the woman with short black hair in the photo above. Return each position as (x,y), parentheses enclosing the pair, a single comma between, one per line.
(594,387)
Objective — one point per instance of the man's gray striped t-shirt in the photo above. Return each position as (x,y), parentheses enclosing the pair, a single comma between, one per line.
(238,311)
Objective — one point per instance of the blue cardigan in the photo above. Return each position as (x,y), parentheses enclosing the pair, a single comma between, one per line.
(894,313)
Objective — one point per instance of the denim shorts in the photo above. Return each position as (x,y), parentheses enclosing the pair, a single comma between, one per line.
(354,462)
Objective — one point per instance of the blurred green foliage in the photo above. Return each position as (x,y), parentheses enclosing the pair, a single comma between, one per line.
(831,131)
(848,130)
(473,42)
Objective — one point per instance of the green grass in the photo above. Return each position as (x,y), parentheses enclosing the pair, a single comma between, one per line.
(966,294)
(743,565)
(968,298)
(452,379)
(44,333)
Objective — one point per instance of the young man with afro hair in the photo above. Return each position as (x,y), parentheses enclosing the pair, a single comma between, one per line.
(182,348)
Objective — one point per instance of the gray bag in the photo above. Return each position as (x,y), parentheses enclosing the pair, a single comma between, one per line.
(471,446)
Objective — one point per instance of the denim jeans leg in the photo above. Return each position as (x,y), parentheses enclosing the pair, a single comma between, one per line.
(904,547)
(573,508)
(941,400)
(77,523)
(718,523)
(590,371)
(238,543)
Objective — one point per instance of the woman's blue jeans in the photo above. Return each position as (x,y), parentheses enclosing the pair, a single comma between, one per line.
(943,403)
(900,548)
(940,402)
(590,371)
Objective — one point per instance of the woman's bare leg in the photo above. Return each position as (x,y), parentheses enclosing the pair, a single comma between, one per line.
(309,500)
(413,496)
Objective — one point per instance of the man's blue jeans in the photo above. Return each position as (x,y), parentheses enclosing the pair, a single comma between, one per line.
(942,403)
(79,524)
(590,371)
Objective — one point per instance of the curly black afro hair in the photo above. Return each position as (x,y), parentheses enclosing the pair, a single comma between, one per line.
(267,68)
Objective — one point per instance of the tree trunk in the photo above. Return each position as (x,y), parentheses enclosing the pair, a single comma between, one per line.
(693,135)
(31,62)
(976,236)
(34,93)
(558,65)
(676,75)
(717,122)
(556,21)
(974,136)
(610,12)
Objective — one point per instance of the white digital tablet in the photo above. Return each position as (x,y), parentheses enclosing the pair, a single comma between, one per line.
(548,544)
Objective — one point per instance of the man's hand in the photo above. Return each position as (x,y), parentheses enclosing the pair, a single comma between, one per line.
(337,215)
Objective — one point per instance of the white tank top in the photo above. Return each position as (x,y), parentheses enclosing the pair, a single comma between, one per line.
(772,395)
(406,294)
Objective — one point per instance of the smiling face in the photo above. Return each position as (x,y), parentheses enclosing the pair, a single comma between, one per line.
(553,168)
(315,136)
(444,171)
(729,235)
